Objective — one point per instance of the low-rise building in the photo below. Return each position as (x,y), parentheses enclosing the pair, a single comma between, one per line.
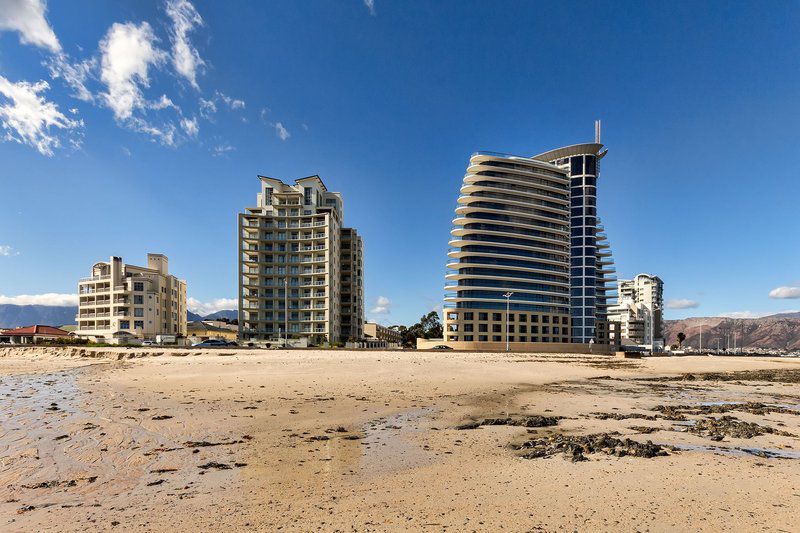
(32,334)
(200,331)
(374,331)
(121,302)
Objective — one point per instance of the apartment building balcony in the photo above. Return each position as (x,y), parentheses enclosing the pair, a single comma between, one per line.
(95,327)
(94,290)
(92,316)
(93,279)
(96,303)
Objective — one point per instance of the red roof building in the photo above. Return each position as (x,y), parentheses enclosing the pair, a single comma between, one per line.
(31,334)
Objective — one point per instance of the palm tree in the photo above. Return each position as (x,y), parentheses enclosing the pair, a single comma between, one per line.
(681,338)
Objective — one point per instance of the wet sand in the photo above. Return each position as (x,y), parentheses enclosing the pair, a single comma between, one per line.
(368,441)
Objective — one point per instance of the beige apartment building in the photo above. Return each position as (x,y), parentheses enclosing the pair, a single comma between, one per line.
(121,302)
(373,330)
(301,271)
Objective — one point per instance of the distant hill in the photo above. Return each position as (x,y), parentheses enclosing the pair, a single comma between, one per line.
(780,331)
(15,316)
(230,314)
(193,317)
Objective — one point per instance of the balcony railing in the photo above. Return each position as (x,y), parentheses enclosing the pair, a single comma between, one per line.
(95,278)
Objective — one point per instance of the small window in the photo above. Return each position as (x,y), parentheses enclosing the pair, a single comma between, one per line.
(138,286)
(495,338)
(591,165)
(576,165)
(483,316)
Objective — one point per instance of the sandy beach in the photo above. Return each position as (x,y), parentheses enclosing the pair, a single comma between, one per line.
(178,440)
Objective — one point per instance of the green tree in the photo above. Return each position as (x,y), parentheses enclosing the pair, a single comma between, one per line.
(428,327)
(431,325)
(681,338)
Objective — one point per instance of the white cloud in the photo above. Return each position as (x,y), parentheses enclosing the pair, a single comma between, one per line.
(190,126)
(7,251)
(206,308)
(682,304)
(382,306)
(127,52)
(165,134)
(126,151)
(371,6)
(28,118)
(282,132)
(222,149)
(207,108)
(185,57)
(74,75)
(162,103)
(50,298)
(743,314)
(27,18)
(785,292)
(233,103)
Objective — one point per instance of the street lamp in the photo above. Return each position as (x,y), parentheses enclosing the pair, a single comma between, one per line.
(507,296)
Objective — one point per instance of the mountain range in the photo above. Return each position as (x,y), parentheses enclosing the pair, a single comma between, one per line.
(780,331)
(14,316)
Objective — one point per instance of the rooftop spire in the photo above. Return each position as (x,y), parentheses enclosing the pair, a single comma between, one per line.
(597,132)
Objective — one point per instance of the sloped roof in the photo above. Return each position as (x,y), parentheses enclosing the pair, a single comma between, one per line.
(36,330)
(202,326)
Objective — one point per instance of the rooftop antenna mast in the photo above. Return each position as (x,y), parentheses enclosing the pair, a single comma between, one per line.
(597,132)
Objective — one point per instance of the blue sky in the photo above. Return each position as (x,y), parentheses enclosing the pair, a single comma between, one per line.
(132,127)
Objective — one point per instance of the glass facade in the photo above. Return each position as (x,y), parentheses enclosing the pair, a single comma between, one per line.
(529,227)
(591,266)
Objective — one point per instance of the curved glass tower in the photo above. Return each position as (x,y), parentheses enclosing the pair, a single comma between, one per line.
(509,251)
(527,242)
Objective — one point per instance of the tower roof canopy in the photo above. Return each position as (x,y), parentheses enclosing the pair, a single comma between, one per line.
(575,149)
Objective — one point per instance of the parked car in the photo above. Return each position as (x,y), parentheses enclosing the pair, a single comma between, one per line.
(441,347)
(214,343)
(148,343)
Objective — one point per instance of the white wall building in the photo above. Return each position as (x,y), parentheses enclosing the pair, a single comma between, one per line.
(640,309)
